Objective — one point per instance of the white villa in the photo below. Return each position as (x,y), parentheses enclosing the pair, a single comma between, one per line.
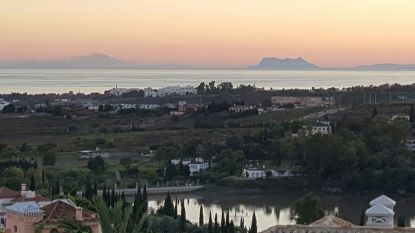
(196,165)
(255,172)
(410,144)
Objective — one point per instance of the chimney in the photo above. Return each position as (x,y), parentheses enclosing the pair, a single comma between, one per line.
(23,187)
(78,213)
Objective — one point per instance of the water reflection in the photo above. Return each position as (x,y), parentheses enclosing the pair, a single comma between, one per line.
(271,210)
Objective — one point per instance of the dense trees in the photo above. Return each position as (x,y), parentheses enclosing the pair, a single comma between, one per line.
(307,210)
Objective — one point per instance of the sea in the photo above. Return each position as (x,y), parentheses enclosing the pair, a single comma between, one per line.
(38,81)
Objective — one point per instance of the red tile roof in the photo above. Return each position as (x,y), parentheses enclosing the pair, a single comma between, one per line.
(59,210)
(8,193)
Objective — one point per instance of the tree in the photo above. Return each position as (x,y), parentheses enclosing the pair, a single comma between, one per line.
(216,226)
(32,185)
(96,164)
(307,210)
(254,226)
(168,207)
(201,221)
(231,227)
(222,223)
(201,88)
(362,218)
(182,217)
(374,112)
(401,221)
(412,114)
(210,224)
(49,158)
(73,226)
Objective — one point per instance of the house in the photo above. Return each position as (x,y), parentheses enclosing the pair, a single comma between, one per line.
(241,108)
(253,173)
(400,117)
(176,113)
(321,127)
(197,167)
(23,217)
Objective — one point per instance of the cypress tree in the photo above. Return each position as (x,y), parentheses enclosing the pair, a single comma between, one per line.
(227,222)
(412,114)
(242,224)
(145,207)
(168,208)
(58,187)
(43,177)
(401,221)
(222,223)
(175,208)
(32,186)
(201,221)
(375,112)
(95,188)
(104,192)
(253,228)
(183,217)
(216,228)
(113,197)
(231,227)
(362,218)
(210,224)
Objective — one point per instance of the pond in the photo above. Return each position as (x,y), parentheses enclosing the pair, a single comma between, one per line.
(271,210)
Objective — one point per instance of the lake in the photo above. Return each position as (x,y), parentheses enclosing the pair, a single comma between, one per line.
(98,80)
(271,210)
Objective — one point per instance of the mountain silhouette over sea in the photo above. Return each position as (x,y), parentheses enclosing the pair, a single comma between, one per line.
(102,61)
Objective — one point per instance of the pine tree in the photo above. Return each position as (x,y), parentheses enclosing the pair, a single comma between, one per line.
(201,220)
(183,217)
(216,228)
(32,186)
(253,228)
(210,224)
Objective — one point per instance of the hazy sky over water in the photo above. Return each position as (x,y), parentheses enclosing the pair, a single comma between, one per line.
(211,32)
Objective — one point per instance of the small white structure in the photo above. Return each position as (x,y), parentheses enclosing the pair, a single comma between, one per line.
(241,108)
(410,144)
(381,212)
(322,128)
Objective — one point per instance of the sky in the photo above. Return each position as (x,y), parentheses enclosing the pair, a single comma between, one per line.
(214,33)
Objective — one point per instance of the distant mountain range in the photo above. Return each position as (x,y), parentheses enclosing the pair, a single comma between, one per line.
(102,61)
(274,63)
(94,60)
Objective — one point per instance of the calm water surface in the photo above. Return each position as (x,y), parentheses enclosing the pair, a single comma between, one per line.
(93,80)
(271,210)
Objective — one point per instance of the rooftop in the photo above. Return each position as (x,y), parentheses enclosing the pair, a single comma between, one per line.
(8,193)
(25,208)
(379,209)
(384,200)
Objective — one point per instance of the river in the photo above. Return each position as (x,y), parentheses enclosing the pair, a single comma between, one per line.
(271,210)
(98,80)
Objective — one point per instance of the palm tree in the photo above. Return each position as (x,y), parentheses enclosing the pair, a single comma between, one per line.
(73,226)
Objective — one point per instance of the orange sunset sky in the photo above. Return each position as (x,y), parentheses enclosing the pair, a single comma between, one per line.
(216,33)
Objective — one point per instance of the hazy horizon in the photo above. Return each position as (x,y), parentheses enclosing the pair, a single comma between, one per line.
(232,33)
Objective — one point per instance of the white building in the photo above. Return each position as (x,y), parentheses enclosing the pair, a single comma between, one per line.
(381,212)
(253,173)
(241,108)
(322,128)
(197,167)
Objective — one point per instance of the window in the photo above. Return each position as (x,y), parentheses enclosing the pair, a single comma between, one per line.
(15,228)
